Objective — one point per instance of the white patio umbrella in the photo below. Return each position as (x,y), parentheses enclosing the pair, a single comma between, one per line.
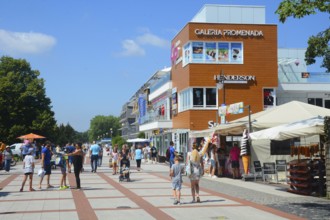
(137,140)
(302,128)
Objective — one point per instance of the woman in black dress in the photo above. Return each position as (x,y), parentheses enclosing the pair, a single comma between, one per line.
(78,161)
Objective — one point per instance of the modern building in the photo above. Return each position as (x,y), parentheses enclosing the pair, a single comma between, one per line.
(226,55)
(230,45)
(296,83)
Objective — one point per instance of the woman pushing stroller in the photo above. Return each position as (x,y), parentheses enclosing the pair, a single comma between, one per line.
(124,168)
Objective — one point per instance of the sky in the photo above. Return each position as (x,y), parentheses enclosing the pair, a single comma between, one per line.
(94,55)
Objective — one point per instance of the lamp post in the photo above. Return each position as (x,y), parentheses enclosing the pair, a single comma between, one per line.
(111,133)
(220,82)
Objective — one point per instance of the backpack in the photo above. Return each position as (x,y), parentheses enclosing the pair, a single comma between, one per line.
(168,154)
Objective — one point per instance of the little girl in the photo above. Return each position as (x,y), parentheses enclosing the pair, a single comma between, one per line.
(28,167)
(114,155)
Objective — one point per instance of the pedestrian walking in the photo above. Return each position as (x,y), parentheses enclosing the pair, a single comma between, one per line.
(138,157)
(172,153)
(78,161)
(197,168)
(153,154)
(114,155)
(176,172)
(234,159)
(8,156)
(94,154)
(100,157)
(28,167)
(46,155)
(213,160)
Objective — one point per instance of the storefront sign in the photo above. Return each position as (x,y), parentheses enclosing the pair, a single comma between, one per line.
(226,32)
(234,79)
(212,124)
(176,53)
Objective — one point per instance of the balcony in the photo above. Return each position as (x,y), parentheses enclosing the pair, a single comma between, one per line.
(154,120)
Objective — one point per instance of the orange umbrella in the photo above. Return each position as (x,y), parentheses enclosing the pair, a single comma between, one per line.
(31,136)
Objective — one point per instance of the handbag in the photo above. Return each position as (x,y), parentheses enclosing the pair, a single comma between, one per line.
(41,172)
(189,168)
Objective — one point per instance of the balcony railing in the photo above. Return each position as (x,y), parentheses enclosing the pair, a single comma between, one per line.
(152,116)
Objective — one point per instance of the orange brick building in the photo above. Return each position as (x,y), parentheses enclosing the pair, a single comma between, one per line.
(241,56)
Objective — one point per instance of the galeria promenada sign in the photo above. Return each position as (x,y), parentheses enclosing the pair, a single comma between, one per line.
(225,32)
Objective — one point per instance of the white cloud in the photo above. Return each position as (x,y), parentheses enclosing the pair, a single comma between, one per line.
(131,48)
(25,42)
(151,39)
(134,47)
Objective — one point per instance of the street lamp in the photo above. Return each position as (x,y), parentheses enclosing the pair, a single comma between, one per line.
(111,132)
(220,82)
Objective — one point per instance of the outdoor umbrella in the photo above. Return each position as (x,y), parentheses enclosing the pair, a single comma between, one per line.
(308,127)
(31,136)
(138,140)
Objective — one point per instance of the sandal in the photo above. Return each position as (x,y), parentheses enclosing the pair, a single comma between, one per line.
(21,190)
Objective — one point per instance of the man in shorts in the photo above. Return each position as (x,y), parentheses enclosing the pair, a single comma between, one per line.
(46,155)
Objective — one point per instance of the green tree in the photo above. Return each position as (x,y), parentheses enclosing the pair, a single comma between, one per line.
(24,106)
(100,127)
(66,134)
(118,140)
(141,135)
(318,46)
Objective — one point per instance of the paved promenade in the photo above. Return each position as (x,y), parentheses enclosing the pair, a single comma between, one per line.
(149,196)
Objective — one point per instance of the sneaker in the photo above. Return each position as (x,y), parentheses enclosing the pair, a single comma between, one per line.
(214,177)
(175,202)
(193,201)
(62,188)
(66,187)
(179,203)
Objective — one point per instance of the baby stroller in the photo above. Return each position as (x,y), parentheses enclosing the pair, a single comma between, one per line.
(124,174)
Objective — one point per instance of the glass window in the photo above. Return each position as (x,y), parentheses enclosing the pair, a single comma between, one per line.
(211,97)
(316,101)
(184,100)
(198,96)
(213,52)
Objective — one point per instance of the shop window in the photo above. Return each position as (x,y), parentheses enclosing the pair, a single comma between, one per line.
(316,101)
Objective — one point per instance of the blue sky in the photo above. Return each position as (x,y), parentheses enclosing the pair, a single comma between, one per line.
(94,55)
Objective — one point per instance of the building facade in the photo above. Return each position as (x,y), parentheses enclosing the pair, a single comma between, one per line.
(240,55)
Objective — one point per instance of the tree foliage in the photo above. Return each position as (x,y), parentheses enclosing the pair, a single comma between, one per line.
(66,134)
(141,135)
(318,46)
(24,106)
(100,127)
